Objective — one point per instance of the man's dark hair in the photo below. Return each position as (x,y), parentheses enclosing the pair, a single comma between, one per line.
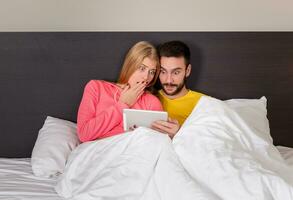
(175,49)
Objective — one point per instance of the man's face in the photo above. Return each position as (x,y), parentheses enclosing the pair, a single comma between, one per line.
(173,74)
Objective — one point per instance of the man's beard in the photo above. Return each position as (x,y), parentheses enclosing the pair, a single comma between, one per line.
(177,90)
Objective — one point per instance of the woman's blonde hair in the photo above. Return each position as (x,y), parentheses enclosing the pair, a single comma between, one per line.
(134,59)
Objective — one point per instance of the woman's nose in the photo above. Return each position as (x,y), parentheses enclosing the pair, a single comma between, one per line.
(146,76)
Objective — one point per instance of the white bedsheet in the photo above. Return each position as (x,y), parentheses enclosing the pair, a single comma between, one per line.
(140,165)
(215,155)
(231,157)
(17,182)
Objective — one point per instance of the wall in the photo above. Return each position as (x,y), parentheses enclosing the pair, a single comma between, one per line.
(151,15)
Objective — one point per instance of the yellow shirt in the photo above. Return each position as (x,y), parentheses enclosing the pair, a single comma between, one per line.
(180,108)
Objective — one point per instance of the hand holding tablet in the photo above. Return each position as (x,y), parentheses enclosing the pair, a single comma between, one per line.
(134,117)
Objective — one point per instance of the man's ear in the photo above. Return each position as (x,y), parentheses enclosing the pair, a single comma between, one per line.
(188,70)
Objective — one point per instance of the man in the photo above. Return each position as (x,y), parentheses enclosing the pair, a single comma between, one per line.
(176,99)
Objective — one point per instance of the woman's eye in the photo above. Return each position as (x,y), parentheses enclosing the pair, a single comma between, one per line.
(152,73)
(142,68)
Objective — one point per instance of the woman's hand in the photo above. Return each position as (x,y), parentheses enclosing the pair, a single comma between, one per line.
(129,95)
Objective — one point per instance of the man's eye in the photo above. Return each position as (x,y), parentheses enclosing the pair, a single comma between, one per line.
(177,72)
(163,72)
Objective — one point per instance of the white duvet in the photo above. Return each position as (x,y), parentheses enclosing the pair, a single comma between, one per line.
(215,155)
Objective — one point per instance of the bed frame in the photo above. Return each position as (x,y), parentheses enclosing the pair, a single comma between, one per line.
(44,74)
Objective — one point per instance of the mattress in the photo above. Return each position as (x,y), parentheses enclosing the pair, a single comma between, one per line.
(17,181)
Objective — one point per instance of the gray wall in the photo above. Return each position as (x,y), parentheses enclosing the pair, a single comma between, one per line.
(142,15)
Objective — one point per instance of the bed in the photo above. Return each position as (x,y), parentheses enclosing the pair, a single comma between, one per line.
(43,74)
(19,182)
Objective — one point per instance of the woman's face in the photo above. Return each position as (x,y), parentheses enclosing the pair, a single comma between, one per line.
(145,72)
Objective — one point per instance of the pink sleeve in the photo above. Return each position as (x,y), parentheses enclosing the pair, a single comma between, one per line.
(91,126)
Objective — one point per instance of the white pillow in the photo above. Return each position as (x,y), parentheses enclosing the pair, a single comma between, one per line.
(254,113)
(56,139)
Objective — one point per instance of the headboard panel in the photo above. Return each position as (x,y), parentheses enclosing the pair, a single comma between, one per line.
(44,74)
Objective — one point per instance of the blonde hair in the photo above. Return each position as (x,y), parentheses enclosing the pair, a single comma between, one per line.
(134,58)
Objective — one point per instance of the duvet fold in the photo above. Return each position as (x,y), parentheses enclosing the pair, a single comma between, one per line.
(136,165)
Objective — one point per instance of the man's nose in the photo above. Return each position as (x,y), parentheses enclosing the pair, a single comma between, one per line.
(169,78)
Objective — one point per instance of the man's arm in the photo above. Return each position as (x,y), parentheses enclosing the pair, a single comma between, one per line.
(169,127)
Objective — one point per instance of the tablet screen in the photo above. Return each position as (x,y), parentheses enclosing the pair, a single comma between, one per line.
(143,118)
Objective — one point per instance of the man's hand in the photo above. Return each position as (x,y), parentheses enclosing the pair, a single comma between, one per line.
(169,127)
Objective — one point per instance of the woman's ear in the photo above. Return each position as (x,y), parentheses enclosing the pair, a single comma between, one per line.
(188,70)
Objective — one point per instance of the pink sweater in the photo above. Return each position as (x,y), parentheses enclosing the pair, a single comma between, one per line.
(100,113)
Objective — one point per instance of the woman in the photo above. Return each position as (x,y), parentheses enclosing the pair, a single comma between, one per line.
(100,111)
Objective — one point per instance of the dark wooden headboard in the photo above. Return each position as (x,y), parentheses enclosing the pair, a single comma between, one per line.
(44,74)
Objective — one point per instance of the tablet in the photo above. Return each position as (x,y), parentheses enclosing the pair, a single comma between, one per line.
(144,118)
